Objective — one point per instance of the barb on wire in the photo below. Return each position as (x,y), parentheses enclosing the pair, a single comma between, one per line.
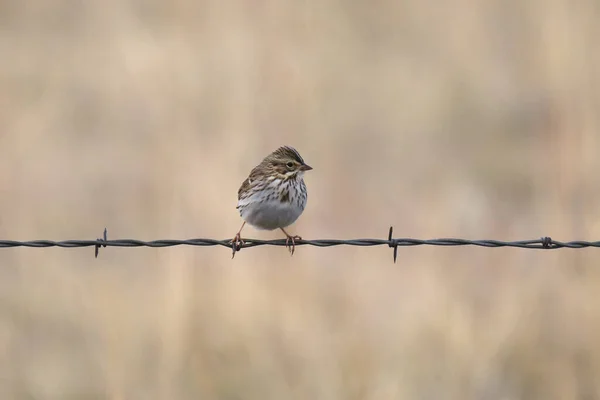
(545,243)
(393,243)
(97,247)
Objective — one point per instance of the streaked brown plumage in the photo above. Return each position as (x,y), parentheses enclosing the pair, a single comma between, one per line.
(274,194)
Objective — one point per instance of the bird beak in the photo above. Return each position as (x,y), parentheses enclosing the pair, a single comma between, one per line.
(305,167)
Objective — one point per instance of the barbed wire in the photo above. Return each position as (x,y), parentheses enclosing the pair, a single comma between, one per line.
(544,243)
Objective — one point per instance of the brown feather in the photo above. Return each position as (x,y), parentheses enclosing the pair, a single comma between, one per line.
(273,164)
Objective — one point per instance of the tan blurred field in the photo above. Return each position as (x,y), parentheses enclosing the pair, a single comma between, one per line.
(473,119)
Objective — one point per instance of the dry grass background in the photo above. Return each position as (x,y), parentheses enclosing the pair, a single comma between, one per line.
(474,119)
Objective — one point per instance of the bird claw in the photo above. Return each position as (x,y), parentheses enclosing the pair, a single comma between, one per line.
(292,239)
(236,244)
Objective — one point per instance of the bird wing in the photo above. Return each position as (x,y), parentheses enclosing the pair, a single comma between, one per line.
(249,183)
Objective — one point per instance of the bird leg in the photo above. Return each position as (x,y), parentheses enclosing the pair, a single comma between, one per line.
(291,239)
(237,241)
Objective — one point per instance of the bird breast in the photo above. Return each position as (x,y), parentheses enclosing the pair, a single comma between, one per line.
(276,205)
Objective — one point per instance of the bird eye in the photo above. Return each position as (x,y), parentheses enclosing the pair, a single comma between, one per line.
(290,165)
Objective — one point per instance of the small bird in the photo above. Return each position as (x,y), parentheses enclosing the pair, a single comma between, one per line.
(274,194)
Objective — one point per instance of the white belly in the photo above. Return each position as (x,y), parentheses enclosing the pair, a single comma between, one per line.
(271,214)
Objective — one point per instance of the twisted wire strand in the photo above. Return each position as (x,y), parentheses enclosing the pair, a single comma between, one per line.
(524,244)
(545,243)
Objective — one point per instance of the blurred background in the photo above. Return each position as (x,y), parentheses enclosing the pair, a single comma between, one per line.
(473,119)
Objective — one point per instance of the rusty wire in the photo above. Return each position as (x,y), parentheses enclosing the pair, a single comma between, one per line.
(544,243)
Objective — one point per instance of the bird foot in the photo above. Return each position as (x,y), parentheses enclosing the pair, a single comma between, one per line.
(236,244)
(291,246)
